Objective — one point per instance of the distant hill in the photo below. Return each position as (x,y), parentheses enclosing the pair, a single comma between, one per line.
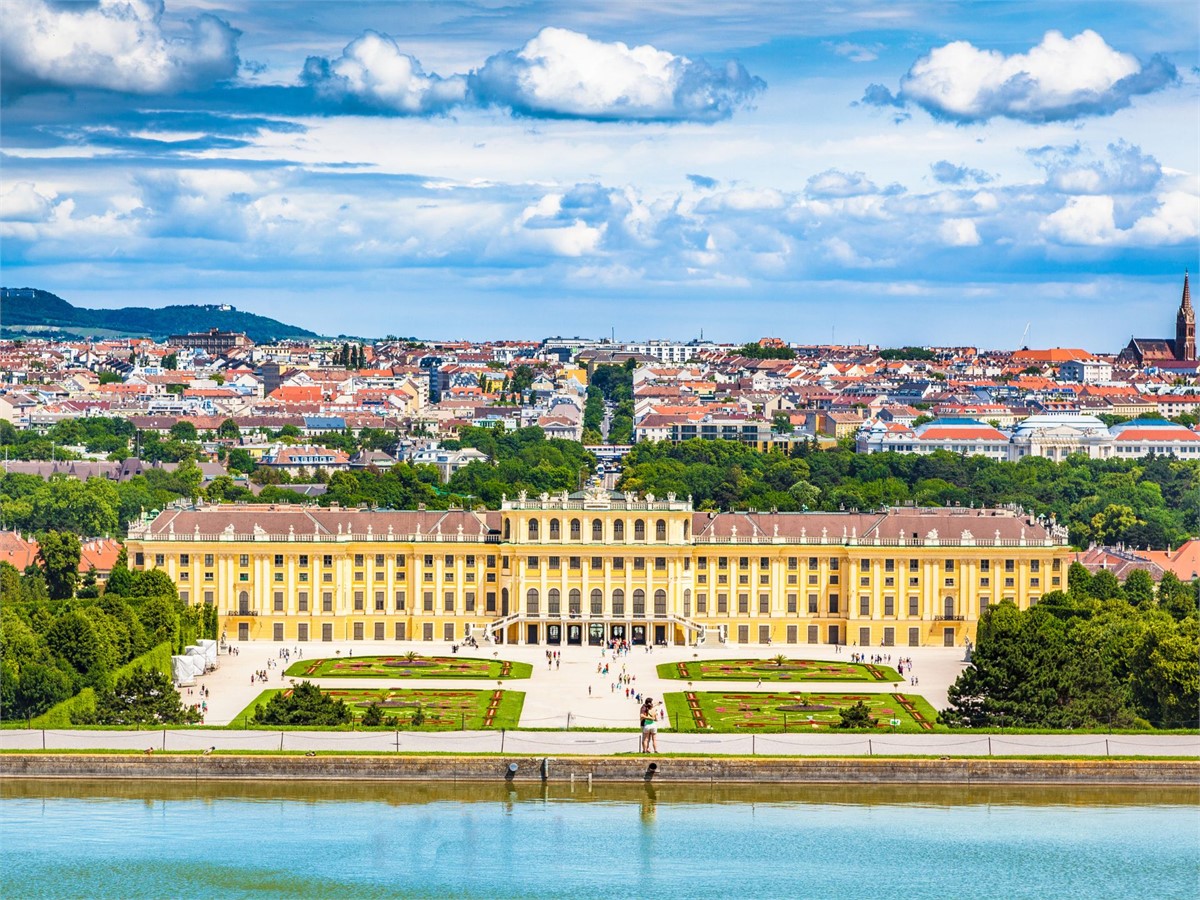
(28,312)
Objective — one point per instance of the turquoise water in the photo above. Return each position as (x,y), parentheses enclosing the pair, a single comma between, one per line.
(485,841)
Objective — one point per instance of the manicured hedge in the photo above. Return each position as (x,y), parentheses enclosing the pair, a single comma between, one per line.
(60,715)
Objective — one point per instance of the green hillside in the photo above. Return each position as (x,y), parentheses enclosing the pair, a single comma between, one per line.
(28,312)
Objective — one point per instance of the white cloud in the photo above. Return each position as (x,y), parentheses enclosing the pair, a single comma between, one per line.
(1127,170)
(959,233)
(1091,221)
(24,203)
(561,73)
(116,45)
(1061,78)
(835,183)
(857,52)
(1084,220)
(374,73)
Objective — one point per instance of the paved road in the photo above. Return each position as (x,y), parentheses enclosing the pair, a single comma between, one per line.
(606,743)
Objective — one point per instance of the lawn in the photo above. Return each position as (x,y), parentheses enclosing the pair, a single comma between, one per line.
(792,711)
(445,710)
(770,670)
(409,667)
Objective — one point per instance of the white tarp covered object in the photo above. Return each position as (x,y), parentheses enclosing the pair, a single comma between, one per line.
(198,654)
(183,669)
(210,652)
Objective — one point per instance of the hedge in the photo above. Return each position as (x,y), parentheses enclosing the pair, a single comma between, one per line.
(61,714)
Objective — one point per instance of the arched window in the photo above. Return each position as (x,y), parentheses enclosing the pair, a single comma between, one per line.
(531,602)
(597,602)
(597,529)
(555,533)
(660,530)
(553,602)
(507,529)
(639,602)
(575,602)
(686,528)
(639,530)
(618,602)
(949,607)
(619,530)
(244,602)
(575,532)
(687,602)
(660,603)
(533,529)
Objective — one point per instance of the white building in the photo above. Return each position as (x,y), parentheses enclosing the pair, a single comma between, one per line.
(1085,371)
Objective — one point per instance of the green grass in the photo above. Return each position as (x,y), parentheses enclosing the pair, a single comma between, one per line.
(445,710)
(403,667)
(792,670)
(731,712)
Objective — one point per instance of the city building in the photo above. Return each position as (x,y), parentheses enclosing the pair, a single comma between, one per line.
(595,566)
(214,342)
(1148,351)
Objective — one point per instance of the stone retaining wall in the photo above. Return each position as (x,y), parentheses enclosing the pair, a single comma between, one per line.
(603,769)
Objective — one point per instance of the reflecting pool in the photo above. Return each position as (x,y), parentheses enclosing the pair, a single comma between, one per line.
(216,840)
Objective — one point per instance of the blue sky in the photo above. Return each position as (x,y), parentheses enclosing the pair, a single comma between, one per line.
(891,172)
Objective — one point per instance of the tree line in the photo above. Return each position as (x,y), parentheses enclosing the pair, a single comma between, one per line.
(1102,655)
(54,646)
(1153,501)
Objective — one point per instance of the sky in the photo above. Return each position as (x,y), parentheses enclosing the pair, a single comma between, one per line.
(989,173)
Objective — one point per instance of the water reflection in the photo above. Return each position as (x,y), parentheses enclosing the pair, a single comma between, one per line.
(648,794)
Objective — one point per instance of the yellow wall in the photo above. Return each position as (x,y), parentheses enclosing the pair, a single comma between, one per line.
(332,586)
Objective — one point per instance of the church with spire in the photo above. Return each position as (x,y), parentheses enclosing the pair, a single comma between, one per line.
(1150,351)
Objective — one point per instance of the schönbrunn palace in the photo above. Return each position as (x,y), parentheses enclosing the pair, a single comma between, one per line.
(593,566)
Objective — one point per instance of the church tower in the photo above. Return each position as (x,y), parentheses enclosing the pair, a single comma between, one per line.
(1185,326)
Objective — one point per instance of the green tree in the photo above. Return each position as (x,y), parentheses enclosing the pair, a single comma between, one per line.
(856,716)
(1176,597)
(183,430)
(143,697)
(1139,588)
(1166,673)
(305,704)
(229,430)
(73,637)
(39,687)
(58,552)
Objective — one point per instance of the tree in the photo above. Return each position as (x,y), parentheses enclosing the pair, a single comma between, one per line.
(239,460)
(154,583)
(1166,673)
(184,430)
(1176,597)
(38,688)
(856,716)
(160,618)
(373,716)
(229,430)
(1139,588)
(120,579)
(171,361)
(74,638)
(305,704)
(59,553)
(143,697)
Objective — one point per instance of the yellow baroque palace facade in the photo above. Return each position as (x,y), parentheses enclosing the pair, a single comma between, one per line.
(596,566)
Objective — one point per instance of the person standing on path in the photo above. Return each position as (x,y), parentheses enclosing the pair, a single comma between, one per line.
(649,726)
